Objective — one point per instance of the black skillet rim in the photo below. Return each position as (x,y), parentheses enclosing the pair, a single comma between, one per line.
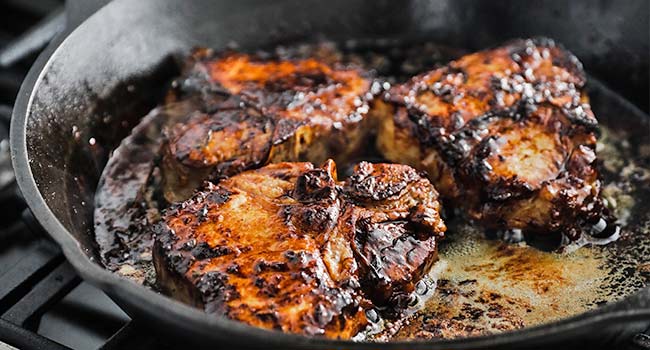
(195,320)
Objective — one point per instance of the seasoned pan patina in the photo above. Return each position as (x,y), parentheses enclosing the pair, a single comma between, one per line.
(480,284)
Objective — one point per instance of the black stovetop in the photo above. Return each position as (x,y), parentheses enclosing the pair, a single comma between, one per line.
(43,303)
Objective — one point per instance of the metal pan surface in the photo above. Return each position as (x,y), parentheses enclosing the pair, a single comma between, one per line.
(85,95)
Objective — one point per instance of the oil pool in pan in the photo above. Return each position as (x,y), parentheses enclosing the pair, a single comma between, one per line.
(480,284)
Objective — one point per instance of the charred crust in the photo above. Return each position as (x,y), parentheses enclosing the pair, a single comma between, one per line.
(369,183)
(187,141)
(338,253)
(386,248)
(315,185)
(266,109)
(317,217)
(263,265)
(216,291)
(165,239)
(218,196)
(203,251)
(459,111)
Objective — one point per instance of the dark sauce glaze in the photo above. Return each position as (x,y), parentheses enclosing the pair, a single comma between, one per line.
(128,199)
(452,301)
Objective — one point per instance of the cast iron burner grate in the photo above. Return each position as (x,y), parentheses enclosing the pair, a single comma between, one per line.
(43,302)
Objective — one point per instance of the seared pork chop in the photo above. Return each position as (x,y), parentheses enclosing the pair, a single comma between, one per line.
(289,247)
(507,134)
(257,111)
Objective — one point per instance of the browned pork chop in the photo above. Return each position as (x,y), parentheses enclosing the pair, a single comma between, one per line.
(507,134)
(256,111)
(289,247)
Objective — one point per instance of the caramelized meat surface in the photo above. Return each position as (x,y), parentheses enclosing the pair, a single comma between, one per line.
(256,111)
(506,133)
(397,223)
(289,247)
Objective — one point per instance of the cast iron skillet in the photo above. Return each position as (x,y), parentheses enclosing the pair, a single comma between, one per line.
(88,89)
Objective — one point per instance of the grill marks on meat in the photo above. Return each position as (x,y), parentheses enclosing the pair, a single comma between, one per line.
(256,111)
(507,134)
(289,247)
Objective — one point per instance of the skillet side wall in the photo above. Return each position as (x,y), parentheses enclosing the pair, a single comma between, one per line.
(112,70)
(76,119)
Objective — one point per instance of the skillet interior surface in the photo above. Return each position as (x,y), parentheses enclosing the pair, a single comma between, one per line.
(481,284)
(101,81)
